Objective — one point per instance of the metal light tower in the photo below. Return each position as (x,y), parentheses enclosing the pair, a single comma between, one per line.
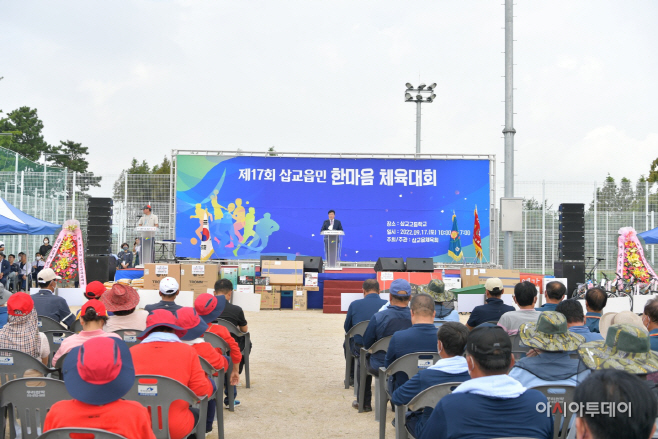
(423,94)
(509,131)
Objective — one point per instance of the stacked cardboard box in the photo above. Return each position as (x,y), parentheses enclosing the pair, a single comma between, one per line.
(230,273)
(299,300)
(154,273)
(509,278)
(283,272)
(270,296)
(198,278)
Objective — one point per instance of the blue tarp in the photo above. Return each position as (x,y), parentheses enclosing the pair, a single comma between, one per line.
(650,236)
(15,222)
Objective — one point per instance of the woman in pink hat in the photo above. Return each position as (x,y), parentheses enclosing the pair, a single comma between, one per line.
(121,301)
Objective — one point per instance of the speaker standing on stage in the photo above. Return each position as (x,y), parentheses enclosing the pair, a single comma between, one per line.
(148,220)
(332,223)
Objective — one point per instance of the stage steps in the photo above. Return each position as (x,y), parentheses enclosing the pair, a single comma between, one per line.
(332,291)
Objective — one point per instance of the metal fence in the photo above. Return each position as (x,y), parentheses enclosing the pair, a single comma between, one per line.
(58,195)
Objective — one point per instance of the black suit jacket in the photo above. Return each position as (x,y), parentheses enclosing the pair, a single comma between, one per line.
(5,268)
(337,225)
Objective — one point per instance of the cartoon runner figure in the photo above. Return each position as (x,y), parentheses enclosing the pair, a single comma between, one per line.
(202,214)
(264,228)
(239,217)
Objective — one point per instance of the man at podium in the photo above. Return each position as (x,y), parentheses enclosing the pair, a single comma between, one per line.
(332,223)
(148,220)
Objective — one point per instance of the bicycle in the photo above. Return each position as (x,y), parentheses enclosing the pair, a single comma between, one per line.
(590,280)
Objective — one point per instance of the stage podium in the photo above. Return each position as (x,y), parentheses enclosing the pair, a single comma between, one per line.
(147,244)
(333,240)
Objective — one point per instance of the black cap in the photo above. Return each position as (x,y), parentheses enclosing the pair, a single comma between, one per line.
(148,206)
(487,341)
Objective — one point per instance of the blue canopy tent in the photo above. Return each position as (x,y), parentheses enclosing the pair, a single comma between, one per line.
(15,222)
(650,236)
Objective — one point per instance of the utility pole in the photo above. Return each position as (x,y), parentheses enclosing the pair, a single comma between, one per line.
(509,131)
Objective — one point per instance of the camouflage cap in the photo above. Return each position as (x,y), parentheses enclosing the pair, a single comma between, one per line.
(626,347)
(437,289)
(550,333)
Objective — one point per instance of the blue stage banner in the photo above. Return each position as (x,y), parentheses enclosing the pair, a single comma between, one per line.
(246,206)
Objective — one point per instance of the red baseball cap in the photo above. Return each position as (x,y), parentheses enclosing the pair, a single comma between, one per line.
(20,304)
(161,317)
(96,305)
(94,290)
(209,307)
(99,371)
(189,320)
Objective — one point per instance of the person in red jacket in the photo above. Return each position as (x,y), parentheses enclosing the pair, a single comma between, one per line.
(209,308)
(97,374)
(189,320)
(162,353)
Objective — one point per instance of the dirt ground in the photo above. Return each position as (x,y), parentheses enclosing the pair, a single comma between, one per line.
(297,368)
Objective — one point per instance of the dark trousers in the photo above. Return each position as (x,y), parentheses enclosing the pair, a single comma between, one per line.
(367,398)
(354,352)
(195,413)
(212,404)
(227,381)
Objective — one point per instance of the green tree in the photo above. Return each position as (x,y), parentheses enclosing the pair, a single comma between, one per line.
(653,172)
(163,168)
(27,128)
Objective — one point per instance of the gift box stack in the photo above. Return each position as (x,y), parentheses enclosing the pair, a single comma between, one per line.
(288,278)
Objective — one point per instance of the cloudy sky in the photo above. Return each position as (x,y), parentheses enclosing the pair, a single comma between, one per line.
(139,78)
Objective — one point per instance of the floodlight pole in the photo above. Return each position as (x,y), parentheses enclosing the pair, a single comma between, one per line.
(418,127)
(421,96)
(509,131)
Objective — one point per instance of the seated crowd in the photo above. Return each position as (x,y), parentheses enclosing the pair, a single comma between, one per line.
(497,359)
(99,368)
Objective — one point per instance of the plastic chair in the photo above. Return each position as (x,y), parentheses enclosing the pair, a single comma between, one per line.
(379,345)
(76,327)
(562,395)
(28,405)
(59,365)
(13,365)
(55,339)
(129,336)
(519,350)
(156,393)
(357,329)
(65,433)
(410,365)
(219,391)
(48,324)
(218,342)
(247,346)
(429,397)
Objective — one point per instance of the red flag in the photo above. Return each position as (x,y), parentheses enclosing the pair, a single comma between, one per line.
(477,241)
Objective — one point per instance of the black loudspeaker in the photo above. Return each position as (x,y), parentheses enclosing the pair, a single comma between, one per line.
(105,230)
(100,202)
(420,264)
(99,221)
(100,268)
(311,263)
(99,211)
(98,249)
(571,242)
(99,226)
(574,272)
(572,208)
(390,264)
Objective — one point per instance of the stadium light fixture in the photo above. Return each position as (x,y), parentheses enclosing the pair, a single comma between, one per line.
(424,94)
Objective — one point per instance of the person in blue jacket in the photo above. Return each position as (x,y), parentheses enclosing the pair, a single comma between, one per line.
(490,404)
(360,311)
(384,323)
(444,302)
(421,337)
(595,300)
(451,368)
